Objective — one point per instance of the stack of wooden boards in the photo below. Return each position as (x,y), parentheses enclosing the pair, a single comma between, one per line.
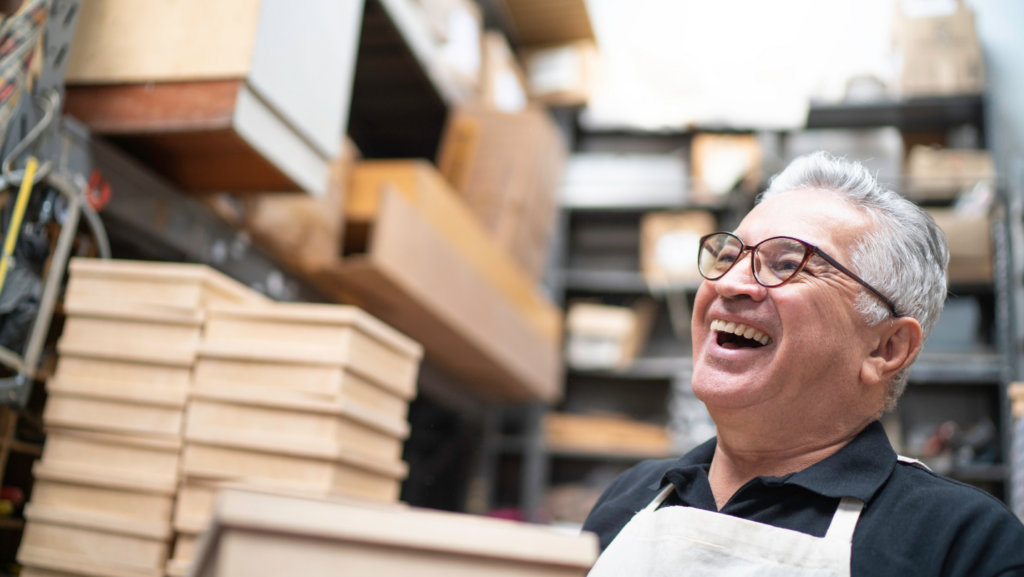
(257,535)
(172,380)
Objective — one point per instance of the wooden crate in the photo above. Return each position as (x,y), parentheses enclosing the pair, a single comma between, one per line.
(294,470)
(145,382)
(324,430)
(241,95)
(140,337)
(155,287)
(149,512)
(56,540)
(255,535)
(116,461)
(184,552)
(296,382)
(70,407)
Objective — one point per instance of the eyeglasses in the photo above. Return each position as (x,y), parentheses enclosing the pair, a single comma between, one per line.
(775,261)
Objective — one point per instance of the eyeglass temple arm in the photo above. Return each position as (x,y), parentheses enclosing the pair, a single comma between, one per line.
(851,274)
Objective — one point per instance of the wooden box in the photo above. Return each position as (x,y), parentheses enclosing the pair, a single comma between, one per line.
(298,383)
(293,470)
(312,333)
(255,535)
(143,382)
(433,197)
(239,95)
(126,286)
(148,513)
(183,554)
(140,337)
(56,541)
(324,430)
(416,280)
(116,461)
(67,407)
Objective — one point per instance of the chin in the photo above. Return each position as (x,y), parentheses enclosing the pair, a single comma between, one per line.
(726,390)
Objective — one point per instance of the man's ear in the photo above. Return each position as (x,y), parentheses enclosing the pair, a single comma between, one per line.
(899,341)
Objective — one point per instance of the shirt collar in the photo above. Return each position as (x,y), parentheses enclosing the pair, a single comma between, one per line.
(857,470)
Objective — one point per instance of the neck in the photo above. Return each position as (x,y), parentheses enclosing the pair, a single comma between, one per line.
(753,450)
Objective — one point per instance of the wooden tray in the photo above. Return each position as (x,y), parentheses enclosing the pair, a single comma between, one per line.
(149,510)
(287,381)
(255,535)
(116,461)
(316,430)
(312,333)
(125,380)
(293,470)
(146,339)
(71,408)
(57,541)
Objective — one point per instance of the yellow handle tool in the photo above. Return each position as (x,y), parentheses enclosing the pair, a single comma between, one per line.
(19,213)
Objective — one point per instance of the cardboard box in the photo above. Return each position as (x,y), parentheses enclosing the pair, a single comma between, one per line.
(607,337)
(940,54)
(550,22)
(241,96)
(970,246)
(508,168)
(259,535)
(434,198)
(669,242)
(413,277)
(942,173)
(563,75)
(721,161)
(502,81)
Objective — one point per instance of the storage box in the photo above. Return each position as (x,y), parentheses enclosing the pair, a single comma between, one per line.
(416,280)
(508,168)
(243,96)
(669,243)
(435,200)
(293,469)
(502,81)
(115,461)
(325,430)
(58,541)
(607,337)
(970,246)
(169,339)
(125,286)
(256,535)
(940,53)
(563,75)
(938,173)
(722,161)
(316,334)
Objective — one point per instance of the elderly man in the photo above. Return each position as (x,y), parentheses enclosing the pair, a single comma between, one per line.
(803,334)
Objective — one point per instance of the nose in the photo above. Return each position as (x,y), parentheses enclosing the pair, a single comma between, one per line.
(740,283)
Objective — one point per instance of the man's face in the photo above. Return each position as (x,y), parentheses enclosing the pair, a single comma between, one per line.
(818,341)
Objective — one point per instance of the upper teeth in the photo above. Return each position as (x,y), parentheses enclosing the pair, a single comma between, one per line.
(741,330)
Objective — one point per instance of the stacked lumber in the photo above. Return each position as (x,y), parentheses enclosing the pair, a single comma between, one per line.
(105,485)
(299,398)
(256,535)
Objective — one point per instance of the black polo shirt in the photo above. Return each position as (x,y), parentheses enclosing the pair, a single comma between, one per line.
(914,522)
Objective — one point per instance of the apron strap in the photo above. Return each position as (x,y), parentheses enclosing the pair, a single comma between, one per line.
(910,461)
(845,520)
(660,498)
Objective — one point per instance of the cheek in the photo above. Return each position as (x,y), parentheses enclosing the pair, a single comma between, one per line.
(701,304)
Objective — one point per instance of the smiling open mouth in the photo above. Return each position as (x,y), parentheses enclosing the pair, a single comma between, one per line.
(731,335)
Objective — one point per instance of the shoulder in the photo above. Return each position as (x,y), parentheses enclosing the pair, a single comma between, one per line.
(629,493)
(942,526)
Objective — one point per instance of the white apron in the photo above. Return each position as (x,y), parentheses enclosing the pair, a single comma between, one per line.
(678,541)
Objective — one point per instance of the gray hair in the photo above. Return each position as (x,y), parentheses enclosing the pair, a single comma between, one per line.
(904,256)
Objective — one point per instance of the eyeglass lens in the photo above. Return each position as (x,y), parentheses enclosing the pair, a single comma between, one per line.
(775,262)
